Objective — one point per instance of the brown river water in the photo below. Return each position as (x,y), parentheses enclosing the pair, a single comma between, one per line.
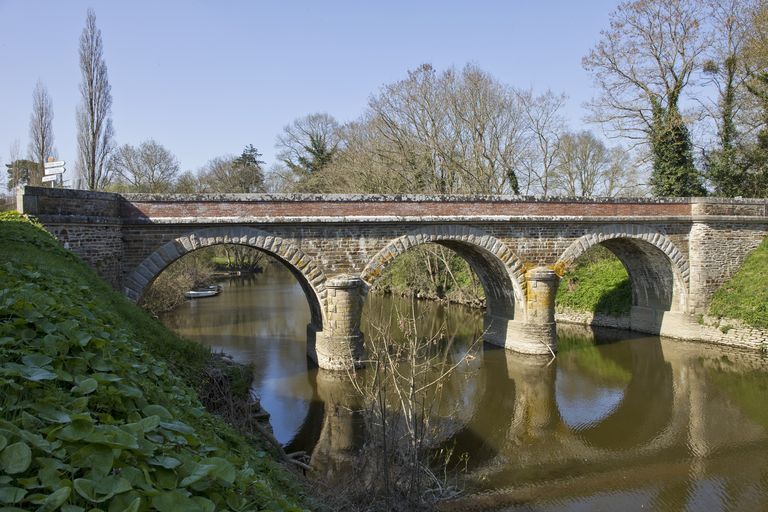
(618,421)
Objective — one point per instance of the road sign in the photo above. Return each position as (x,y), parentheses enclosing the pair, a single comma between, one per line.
(52,165)
(50,178)
(57,170)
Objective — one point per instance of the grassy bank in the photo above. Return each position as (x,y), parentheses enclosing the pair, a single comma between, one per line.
(600,285)
(97,401)
(745,295)
(596,285)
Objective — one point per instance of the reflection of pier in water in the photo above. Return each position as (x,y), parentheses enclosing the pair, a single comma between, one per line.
(659,422)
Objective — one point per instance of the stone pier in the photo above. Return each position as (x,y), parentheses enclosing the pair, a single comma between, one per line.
(536,334)
(339,346)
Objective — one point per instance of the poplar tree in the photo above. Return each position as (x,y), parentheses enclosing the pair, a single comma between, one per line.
(40,131)
(94,121)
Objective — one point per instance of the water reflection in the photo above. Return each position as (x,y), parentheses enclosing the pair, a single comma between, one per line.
(617,420)
(260,319)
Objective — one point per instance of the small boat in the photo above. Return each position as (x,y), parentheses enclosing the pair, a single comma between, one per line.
(199,293)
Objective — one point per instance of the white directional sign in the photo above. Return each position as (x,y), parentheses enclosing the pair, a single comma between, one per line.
(50,178)
(55,171)
(57,163)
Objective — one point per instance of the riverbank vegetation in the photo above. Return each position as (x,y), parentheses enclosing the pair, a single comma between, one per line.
(238,258)
(596,282)
(167,291)
(196,270)
(98,400)
(432,272)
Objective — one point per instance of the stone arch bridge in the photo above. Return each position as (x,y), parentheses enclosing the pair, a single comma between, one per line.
(677,251)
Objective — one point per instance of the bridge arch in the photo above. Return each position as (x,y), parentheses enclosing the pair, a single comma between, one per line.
(499,269)
(310,276)
(658,271)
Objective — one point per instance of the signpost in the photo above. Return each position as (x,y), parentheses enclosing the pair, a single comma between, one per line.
(54,167)
(54,171)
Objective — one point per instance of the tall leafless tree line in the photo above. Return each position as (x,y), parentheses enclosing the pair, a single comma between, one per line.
(456,131)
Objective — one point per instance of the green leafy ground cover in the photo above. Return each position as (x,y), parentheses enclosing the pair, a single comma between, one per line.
(745,295)
(598,285)
(96,409)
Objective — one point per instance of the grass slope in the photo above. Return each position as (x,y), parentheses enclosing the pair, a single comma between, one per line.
(96,409)
(745,295)
(600,286)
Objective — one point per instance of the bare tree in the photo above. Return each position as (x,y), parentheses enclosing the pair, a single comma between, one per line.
(647,57)
(728,71)
(187,182)
(545,126)
(642,65)
(241,174)
(280,179)
(449,132)
(586,167)
(94,124)
(487,128)
(725,67)
(150,167)
(40,131)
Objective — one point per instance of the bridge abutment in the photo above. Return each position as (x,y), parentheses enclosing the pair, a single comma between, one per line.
(537,334)
(339,346)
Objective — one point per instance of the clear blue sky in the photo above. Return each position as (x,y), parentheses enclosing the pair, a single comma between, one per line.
(207,78)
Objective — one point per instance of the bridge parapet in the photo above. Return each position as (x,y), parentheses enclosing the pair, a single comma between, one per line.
(166,208)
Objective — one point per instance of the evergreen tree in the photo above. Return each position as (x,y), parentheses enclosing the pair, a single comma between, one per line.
(249,175)
(20,172)
(725,169)
(317,154)
(754,179)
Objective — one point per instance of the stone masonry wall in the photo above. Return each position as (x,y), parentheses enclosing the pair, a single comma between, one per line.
(721,331)
(44,201)
(144,207)
(87,223)
(99,245)
(717,251)
(348,247)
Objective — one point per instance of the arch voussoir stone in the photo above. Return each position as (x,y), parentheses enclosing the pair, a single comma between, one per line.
(677,261)
(461,234)
(300,263)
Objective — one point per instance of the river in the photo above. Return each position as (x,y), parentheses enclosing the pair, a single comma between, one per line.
(617,421)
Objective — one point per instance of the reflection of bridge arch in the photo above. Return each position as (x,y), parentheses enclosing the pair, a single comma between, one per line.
(524,393)
(310,276)
(632,422)
(498,268)
(657,269)
(536,431)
